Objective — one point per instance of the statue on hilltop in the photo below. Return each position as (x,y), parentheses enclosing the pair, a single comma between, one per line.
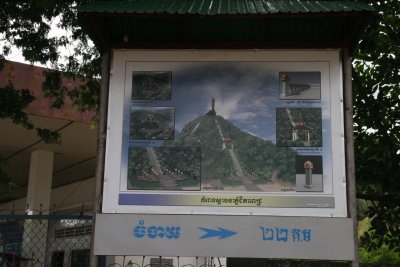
(212,111)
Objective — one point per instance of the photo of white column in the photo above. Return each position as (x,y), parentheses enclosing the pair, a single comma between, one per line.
(309,173)
(308,168)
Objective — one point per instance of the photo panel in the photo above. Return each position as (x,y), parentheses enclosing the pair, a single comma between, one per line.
(299,127)
(151,85)
(300,85)
(164,168)
(309,173)
(218,132)
(152,123)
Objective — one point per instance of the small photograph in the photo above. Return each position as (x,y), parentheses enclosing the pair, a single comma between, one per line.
(164,168)
(309,174)
(151,85)
(300,85)
(299,127)
(152,123)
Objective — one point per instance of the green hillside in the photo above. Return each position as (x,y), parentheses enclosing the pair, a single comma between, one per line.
(256,156)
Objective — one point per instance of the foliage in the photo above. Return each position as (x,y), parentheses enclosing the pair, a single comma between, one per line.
(4,178)
(180,163)
(377,129)
(185,159)
(256,156)
(380,255)
(13,102)
(286,117)
(27,26)
(152,85)
(152,124)
(138,163)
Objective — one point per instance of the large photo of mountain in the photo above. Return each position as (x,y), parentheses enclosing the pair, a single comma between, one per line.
(233,159)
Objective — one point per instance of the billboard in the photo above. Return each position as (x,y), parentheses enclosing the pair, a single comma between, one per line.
(225,132)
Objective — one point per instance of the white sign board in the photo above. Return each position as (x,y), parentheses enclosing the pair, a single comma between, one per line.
(224,236)
(226,133)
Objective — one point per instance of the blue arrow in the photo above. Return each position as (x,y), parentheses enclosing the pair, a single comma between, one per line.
(222,233)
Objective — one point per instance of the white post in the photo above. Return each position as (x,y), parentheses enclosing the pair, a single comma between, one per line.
(38,201)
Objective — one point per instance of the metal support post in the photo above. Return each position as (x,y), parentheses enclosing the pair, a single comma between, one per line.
(349,149)
(101,146)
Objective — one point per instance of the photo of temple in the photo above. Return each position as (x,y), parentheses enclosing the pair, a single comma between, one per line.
(300,131)
(299,127)
(152,123)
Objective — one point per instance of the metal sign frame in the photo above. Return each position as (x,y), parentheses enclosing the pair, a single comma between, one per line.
(327,62)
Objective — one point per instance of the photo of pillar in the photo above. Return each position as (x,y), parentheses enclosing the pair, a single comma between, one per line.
(308,168)
(309,175)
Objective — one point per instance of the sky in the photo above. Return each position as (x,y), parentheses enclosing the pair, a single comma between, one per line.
(55,31)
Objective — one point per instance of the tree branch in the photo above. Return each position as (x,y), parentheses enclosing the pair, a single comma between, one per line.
(382,198)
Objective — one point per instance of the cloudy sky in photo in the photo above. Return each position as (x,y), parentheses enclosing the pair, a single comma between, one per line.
(246,94)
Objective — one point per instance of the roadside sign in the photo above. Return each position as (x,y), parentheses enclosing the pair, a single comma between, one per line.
(224,236)
(225,153)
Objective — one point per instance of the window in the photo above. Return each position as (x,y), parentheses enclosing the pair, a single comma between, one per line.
(57,259)
(80,258)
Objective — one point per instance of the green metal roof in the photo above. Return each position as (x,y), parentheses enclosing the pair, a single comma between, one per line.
(222,7)
(224,24)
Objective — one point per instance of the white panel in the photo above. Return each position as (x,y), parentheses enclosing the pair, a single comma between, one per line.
(328,200)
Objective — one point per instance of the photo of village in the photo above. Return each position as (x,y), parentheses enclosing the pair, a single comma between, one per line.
(309,174)
(299,127)
(163,168)
(151,123)
(151,85)
(300,85)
